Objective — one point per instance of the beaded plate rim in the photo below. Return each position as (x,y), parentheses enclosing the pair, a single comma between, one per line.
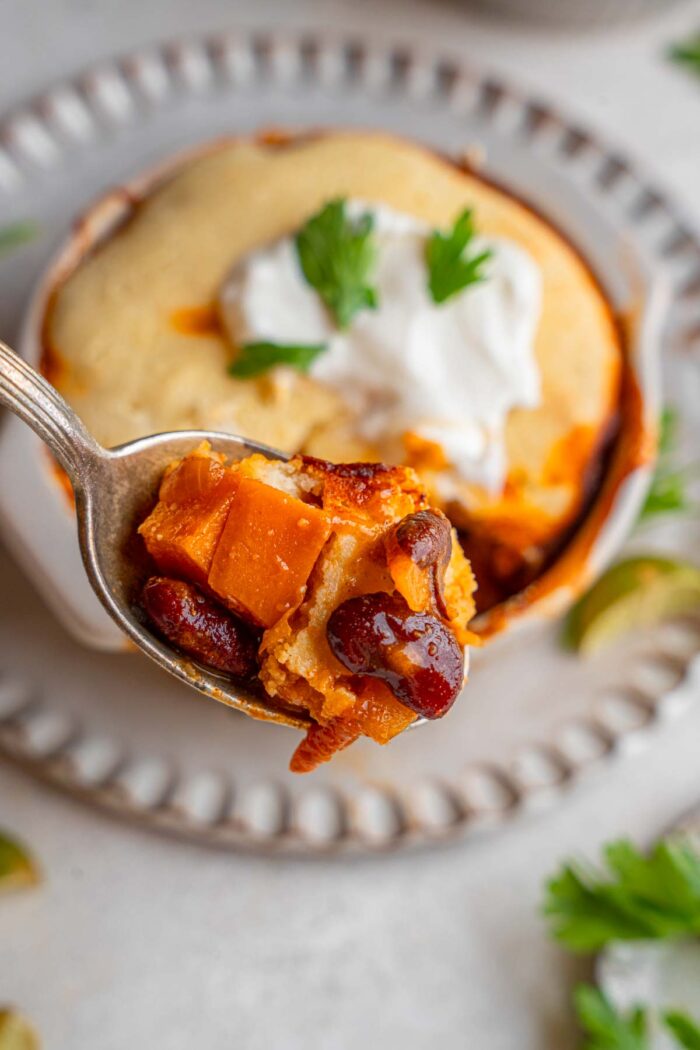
(498,794)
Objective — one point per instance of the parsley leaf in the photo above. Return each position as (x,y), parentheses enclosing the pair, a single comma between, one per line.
(685,1030)
(15,235)
(337,256)
(688,53)
(668,490)
(450,270)
(642,897)
(605,1027)
(256,358)
(667,495)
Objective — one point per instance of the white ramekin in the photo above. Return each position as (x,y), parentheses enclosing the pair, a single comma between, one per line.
(38,522)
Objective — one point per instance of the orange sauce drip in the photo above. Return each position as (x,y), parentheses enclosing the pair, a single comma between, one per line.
(197,320)
(274,136)
(570,457)
(54,368)
(51,364)
(635,448)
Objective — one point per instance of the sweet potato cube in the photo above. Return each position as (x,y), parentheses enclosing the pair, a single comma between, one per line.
(381,715)
(266,552)
(183,529)
(412,582)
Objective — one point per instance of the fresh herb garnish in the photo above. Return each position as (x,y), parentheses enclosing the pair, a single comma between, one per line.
(668,492)
(15,235)
(688,53)
(256,358)
(607,1028)
(684,1028)
(450,268)
(667,495)
(337,256)
(642,897)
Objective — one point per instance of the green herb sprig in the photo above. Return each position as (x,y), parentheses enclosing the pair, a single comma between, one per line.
(255,358)
(14,236)
(605,1027)
(685,1030)
(668,492)
(451,268)
(641,897)
(687,53)
(338,256)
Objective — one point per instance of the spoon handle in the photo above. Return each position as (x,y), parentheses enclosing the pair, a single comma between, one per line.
(34,400)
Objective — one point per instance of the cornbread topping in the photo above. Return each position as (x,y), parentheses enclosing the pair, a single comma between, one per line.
(503,393)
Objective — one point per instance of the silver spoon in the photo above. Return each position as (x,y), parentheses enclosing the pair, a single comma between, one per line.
(114,491)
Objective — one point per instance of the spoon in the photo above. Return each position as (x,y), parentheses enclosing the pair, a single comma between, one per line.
(114,491)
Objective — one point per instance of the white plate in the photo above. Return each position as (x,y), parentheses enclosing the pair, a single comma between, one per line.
(117,731)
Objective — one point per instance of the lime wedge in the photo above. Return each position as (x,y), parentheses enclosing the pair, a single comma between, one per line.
(17,866)
(637,592)
(16,1033)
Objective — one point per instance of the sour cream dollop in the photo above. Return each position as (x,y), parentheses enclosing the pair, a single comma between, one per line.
(449,372)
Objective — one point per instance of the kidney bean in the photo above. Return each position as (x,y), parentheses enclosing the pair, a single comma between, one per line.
(200,627)
(378,636)
(426,538)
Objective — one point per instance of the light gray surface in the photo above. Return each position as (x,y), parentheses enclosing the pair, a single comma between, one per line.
(137,941)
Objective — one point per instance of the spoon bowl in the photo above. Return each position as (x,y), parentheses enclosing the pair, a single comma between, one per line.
(114,491)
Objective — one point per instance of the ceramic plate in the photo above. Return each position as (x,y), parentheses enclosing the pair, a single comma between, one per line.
(118,732)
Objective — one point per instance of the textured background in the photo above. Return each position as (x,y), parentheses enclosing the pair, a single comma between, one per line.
(141,942)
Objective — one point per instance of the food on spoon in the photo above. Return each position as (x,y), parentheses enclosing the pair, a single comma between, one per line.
(370,635)
(183,531)
(303,585)
(268,531)
(200,626)
(418,553)
(354,296)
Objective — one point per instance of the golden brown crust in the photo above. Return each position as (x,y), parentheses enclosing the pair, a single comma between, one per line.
(368,492)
